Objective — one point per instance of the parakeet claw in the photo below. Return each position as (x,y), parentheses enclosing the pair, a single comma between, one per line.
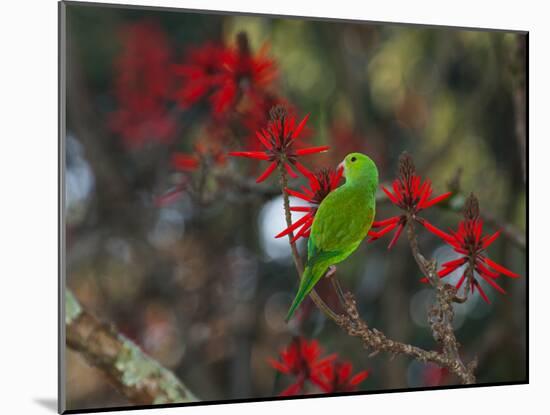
(330,271)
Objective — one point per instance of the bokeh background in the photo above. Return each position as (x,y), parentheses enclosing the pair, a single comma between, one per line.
(198,281)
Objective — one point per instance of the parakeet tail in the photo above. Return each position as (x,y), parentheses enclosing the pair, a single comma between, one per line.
(310,277)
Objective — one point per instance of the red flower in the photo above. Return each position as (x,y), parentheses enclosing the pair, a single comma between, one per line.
(243,73)
(184,163)
(138,127)
(434,375)
(302,360)
(321,183)
(410,194)
(278,139)
(142,85)
(469,242)
(254,117)
(201,73)
(187,163)
(339,378)
(202,154)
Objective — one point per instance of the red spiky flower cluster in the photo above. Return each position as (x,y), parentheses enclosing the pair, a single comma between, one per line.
(339,377)
(469,241)
(200,73)
(223,74)
(321,183)
(244,73)
(303,360)
(278,139)
(255,117)
(410,194)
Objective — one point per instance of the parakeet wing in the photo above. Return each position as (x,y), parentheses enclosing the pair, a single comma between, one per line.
(341,222)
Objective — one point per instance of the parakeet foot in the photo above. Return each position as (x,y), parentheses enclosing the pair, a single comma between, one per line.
(330,271)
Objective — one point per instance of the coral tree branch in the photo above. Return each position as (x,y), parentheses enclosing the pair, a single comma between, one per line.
(135,375)
(441,314)
(377,341)
(440,317)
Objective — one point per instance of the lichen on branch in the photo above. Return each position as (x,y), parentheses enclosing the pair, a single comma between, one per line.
(140,378)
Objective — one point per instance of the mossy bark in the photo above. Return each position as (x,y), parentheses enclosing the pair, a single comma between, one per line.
(141,379)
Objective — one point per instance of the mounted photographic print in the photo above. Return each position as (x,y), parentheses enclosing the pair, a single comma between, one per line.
(261,207)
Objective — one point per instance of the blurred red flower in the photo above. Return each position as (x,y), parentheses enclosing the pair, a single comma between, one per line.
(339,378)
(224,75)
(469,242)
(433,375)
(278,139)
(302,360)
(321,183)
(411,195)
(243,74)
(209,155)
(200,73)
(185,162)
(142,86)
(346,140)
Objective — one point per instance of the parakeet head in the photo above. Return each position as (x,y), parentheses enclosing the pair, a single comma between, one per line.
(359,167)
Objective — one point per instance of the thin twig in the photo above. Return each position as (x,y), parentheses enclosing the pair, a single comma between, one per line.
(509,231)
(331,274)
(244,185)
(519,103)
(468,282)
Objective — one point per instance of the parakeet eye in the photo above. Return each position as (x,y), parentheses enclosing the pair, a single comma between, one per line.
(353,159)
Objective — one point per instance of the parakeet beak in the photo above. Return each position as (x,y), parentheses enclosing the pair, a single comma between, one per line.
(341,166)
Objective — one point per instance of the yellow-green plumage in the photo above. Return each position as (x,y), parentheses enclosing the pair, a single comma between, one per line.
(342,221)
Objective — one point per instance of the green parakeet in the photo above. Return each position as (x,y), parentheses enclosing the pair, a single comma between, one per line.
(342,221)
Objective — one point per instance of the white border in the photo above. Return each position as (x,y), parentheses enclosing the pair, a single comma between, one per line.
(29,202)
